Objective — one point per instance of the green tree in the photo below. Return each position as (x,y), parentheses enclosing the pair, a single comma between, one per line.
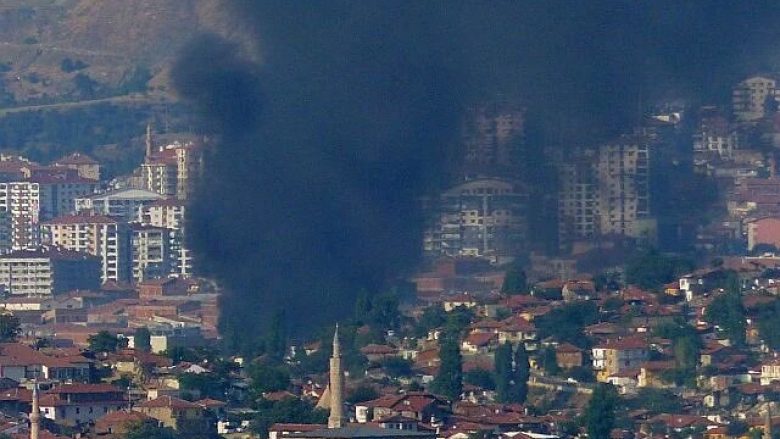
(143,339)
(449,380)
(384,312)
(566,322)
(432,317)
(769,325)
(363,392)
(651,269)
(396,366)
(481,378)
(515,281)
(550,361)
(726,311)
(520,375)
(9,327)
(656,401)
(149,430)
(600,412)
(268,378)
(104,341)
(503,372)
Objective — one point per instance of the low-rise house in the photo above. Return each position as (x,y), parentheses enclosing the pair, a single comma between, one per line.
(479,343)
(464,300)
(655,374)
(376,352)
(567,356)
(74,404)
(578,290)
(517,329)
(420,406)
(770,371)
(119,422)
(172,412)
(614,356)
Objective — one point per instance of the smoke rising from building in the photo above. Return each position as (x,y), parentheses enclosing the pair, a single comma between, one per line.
(352,110)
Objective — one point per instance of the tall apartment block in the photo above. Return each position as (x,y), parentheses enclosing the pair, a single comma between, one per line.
(578,199)
(169,214)
(623,168)
(151,252)
(102,236)
(750,97)
(492,139)
(482,217)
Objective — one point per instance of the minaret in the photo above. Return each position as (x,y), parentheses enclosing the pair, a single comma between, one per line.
(148,156)
(336,418)
(35,415)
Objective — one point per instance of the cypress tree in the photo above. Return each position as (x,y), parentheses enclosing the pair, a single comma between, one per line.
(449,380)
(503,372)
(520,375)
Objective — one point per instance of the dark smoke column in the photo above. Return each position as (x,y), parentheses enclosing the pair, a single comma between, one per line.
(323,151)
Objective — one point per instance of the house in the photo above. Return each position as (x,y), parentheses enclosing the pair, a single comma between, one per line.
(417,405)
(479,343)
(517,329)
(74,404)
(465,300)
(567,356)
(770,371)
(376,352)
(578,290)
(172,412)
(118,422)
(654,374)
(613,356)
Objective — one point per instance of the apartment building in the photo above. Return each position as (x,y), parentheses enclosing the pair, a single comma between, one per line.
(623,171)
(121,204)
(189,166)
(578,199)
(47,271)
(151,252)
(58,193)
(482,217)
(106,237)
(750,98)
(170,214)
(22,201)
(492,135)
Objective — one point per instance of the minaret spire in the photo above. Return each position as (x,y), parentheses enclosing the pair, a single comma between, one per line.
(336,418)
(35,415)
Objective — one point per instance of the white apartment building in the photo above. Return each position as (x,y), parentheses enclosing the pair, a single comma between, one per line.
(151,252)
(623,169)
(121,204)
(99,235)
(46,271)
(22,201)
(749,97)
(169,214)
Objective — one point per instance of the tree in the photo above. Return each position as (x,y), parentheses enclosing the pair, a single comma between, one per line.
(656,401)
(432,317)
(515,281)
(396,366)
(600,412)
(143,339)
(149,430)
(726,311)
(481,378)
(550,361)
(503,372)
(449,380)
(651,269)
(565,323)
(520,375)
(268,378)
(363,392)
(104,341)
(9,327)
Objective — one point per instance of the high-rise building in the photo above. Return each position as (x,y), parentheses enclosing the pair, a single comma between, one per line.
(151,252)
(120,204)
(578,199)
(751,97)
(169,214)
(102,236)
(492,138)
(482,217)
(22,202)
(85,165)
(46,271)
(623,171)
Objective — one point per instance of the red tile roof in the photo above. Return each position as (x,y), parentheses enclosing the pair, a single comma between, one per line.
(167,401)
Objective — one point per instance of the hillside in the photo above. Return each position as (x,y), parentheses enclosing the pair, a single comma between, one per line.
(66,50)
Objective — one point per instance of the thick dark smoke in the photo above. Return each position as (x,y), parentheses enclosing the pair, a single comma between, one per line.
(352,111)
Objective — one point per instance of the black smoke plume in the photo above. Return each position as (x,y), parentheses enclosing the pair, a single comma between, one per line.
(344,113)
